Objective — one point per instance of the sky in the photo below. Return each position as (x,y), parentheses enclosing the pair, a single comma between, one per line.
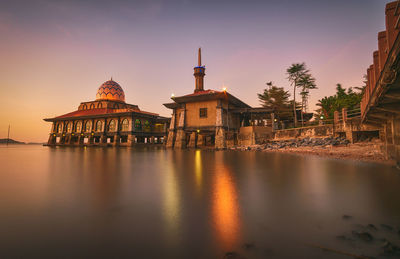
(55,54)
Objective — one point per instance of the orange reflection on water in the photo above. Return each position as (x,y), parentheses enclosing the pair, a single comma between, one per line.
(225,207)
(198,169)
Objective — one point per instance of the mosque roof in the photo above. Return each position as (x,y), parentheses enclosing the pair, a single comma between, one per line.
(110,90)
(99,112)
(208,95)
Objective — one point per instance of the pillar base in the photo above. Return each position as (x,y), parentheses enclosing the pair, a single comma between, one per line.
(170,139)
(220,139)
(180,141)
(192,140)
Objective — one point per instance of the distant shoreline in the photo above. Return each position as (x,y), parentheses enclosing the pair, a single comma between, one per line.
(3,141)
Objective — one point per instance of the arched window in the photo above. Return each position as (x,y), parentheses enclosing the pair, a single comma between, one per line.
(116,106)
(69,127)
(138,125)
(92,106)
(99,126)
(125,125)
(111,125)
(84,107)
(99,105)
(59,128)
(78,126)
(147,125)
(88,126)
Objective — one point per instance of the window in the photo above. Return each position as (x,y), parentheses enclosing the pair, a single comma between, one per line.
(59,128)
(99,105)
(203,113)
(138,125)
(147,126)
(92,106)
(84,107)
(125,125)
(88,126)
(78,126)
(111,126)
(69,127)
(99,125)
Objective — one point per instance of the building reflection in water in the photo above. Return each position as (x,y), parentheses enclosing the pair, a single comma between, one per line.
(171,198)
(225,209)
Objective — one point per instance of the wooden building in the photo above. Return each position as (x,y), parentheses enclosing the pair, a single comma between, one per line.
(108,120)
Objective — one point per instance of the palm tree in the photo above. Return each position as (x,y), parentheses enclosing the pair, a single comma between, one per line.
(307,83)
(295,72)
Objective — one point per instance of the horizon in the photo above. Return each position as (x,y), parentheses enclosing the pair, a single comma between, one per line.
(58,54)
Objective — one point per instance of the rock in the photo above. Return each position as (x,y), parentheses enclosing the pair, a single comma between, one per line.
(248,246)
(372,226)
(365,236)
(390,249)
(347,217)
(343,237)
(386,227)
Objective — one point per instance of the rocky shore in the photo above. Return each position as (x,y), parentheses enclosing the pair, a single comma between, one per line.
(338,148)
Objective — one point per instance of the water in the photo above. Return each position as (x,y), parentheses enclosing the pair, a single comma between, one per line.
(156,203)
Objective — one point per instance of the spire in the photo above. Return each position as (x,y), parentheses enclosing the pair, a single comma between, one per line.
(111,78)
(199,73)
(199,56)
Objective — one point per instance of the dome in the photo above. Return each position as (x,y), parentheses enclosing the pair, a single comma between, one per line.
(110,90)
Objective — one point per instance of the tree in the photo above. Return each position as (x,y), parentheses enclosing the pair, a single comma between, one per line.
(343,98)
(307,83)
(299,77)
(275,98)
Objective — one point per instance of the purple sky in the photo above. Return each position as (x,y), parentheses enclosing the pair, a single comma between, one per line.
(55,54)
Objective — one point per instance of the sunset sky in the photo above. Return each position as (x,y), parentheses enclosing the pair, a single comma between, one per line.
(55,54)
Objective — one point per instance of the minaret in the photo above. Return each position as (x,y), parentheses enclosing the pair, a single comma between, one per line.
(199,73)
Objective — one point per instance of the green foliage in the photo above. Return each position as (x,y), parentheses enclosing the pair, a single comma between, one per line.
(277,99)
(300,77)
(342,99)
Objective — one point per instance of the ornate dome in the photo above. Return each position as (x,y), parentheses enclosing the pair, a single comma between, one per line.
(110,90)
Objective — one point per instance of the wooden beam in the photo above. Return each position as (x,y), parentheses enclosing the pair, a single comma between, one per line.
(389,108)
(381,115)
(373,122)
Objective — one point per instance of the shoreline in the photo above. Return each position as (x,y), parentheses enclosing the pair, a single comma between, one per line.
(362,152)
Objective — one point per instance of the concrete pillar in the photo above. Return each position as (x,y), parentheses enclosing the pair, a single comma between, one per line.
(117,139)
(131,140)
(344,117)
(52,140)
(91,140)
(80,140)
(103,140)
(170,139)
(336,117)
(192,140)
(200,140)
(220,139)
(180,141)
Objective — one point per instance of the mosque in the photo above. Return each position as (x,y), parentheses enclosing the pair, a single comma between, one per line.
(214,118)
(108,120)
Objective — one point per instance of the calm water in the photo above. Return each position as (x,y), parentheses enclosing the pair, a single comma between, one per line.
(157,203)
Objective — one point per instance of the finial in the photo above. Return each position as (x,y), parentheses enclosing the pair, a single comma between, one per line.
(199,56)
(111,78)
